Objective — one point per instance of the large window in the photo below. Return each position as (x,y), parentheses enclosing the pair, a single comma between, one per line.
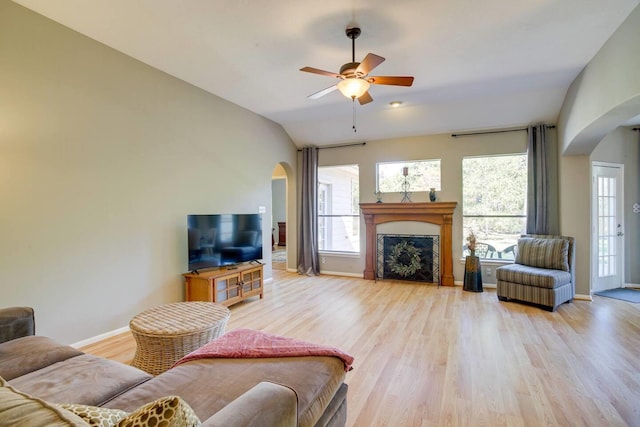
(421,176)
(494,195)
(339,208)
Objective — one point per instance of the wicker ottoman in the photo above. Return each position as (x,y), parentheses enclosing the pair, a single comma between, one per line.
(166,333)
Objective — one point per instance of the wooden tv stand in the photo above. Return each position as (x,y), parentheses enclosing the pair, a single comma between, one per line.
(226,285)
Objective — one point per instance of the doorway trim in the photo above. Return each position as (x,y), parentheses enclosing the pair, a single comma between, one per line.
(599,283)
(284,171)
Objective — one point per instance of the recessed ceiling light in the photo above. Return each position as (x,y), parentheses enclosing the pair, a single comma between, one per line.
(395,104)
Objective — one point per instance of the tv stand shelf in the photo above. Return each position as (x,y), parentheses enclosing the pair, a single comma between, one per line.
(226,285)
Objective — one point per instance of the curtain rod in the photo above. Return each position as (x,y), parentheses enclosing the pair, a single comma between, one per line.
(456,135)
(339,145)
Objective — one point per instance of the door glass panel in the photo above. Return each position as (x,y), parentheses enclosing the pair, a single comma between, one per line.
(606,226)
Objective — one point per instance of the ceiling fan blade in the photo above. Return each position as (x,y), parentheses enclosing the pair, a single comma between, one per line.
(323,92)
(391,80)
(321,72)
(365,98)
(369,62)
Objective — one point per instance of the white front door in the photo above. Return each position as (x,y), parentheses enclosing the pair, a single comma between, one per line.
(607,220)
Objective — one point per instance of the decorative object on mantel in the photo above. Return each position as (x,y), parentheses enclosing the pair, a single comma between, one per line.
(405,186)
(378,196)
(432,194)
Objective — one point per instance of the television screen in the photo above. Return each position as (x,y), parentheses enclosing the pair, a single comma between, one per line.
(223,239)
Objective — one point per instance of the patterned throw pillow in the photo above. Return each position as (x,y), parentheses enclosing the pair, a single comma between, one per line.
(96,416)
(543,253)
(170,411)
(20,409)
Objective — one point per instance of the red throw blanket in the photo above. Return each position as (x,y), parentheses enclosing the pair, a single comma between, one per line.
(247,343)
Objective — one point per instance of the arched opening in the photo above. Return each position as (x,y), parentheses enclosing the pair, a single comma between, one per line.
(279,209)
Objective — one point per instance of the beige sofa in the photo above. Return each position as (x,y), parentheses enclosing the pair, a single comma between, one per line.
(543,272)
(296,391)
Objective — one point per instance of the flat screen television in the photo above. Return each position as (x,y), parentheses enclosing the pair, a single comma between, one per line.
(217,240)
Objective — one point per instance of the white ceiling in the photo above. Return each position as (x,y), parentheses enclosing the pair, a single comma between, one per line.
(477,64)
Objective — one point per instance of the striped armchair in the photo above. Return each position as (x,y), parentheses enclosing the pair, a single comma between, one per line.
(543,272)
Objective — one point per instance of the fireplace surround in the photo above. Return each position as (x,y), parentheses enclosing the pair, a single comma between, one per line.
(440,213)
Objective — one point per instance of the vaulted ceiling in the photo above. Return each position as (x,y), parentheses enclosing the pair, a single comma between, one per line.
(477,65)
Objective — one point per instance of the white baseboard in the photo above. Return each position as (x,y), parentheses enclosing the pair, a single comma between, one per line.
(332,273)
(583,297)
(100,337)
(118,331)
(484,285)
(341,273)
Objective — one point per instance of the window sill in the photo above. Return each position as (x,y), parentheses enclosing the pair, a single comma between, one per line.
(340,254)
(490,261)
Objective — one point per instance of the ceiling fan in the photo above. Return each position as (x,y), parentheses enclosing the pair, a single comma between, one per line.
(354,76)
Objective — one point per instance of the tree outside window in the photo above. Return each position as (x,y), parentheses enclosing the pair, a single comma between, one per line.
(422,175)
(494,195)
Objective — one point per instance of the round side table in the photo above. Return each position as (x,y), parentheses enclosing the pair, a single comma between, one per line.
(166,333)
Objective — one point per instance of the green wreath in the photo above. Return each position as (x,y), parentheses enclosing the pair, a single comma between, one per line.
(404,259)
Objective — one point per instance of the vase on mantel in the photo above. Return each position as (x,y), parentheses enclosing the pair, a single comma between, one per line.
(432,194)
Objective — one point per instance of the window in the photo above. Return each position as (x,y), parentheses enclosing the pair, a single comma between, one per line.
(339,208)
(494,194)
(422,175)
(323,209)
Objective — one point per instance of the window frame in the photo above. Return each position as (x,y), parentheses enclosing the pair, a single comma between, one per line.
(355,216)
(409,163)
(324,190)
(523,216)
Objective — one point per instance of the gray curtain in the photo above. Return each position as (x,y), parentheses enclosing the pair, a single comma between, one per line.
(538,200)
(308,259)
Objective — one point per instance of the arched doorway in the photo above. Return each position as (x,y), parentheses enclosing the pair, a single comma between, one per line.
(279,218)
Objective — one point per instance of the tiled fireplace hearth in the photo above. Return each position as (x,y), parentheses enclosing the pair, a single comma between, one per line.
(439,213)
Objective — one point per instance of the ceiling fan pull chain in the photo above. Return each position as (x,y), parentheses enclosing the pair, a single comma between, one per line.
(354,113)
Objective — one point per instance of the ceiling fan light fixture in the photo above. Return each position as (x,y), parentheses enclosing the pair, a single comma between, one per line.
(395,104)
(353,87)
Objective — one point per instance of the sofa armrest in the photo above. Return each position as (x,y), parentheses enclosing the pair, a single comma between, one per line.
(16,322)
(265,405)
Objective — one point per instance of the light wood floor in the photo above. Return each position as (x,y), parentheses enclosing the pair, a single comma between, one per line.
(429,356)
(279,265)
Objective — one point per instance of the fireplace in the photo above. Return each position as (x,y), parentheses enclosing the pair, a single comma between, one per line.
(440,213)
(408,257)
